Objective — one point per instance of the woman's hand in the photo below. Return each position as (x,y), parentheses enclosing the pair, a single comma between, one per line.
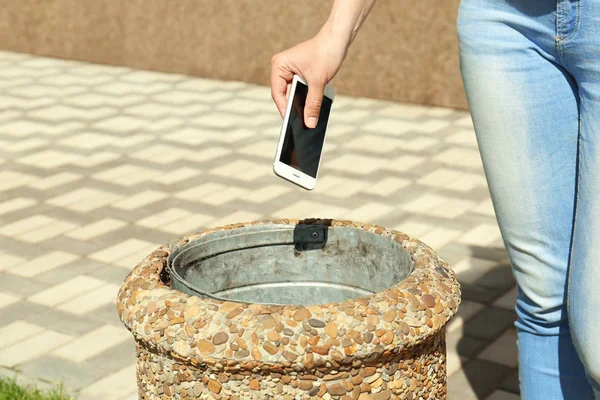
(317,60)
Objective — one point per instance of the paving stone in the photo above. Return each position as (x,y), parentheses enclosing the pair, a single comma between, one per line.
(369,212)
(96,228)
(85,199)
(26,225)
(91,300)
(454,362)
(479,294)
(193,223)
(485,207)
(165,217)
(56,180)
(106,273)
(18,285)
(473,270)
(453,254)
(237,216)
(476,380)
(92,343)
(489,323)
(66,290)
(114,358)
(15,204)
(511,383)
(508,300)
(489,253)
(439,237)
(466,311)
(64,272)
(303,208)
(503,350)
(23,128)
(116,253)
(122,382)
(348,162)
(502,395)
(481,235)
(16,331)
(126,175)
(129,231)
(60,321)
(464,345)
(57,370)
(105,315)
(462,157)
(9,261)
(32,347)
(7,299)
(500,278)
(141,199)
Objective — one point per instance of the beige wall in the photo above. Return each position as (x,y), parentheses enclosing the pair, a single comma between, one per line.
(406,51)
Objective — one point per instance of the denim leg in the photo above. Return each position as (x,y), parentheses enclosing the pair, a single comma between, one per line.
(524,107)
(537,372)
(580,53)
(584,272)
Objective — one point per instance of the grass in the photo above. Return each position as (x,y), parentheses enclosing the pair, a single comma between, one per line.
(11,390)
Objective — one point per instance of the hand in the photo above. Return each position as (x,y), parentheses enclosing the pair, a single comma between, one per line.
(317,60)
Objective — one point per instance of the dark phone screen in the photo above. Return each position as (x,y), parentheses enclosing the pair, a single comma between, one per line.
(302,146)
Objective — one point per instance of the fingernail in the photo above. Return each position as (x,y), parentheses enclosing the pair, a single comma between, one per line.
(312,122)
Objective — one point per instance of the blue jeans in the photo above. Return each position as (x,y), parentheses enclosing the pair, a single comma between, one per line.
(531,71)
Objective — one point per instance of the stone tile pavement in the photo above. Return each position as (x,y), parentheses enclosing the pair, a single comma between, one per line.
(99,165)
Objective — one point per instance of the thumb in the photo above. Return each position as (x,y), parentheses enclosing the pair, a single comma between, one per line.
(312,107)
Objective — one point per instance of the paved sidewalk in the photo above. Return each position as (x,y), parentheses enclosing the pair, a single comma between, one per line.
(99,165)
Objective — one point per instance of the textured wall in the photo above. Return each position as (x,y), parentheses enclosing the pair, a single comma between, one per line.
(406,51)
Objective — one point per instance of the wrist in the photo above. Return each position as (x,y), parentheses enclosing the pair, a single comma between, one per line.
(338,36)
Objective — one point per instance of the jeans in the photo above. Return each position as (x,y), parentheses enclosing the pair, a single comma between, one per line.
(531,72)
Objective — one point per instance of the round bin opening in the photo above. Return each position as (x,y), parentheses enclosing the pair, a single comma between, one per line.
(282,264)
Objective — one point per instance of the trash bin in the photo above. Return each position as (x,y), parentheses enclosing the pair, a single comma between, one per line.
(291,309)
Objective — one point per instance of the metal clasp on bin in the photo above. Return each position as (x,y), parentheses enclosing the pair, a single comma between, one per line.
(310,237)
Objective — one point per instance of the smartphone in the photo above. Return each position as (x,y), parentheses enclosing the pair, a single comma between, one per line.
(299,150)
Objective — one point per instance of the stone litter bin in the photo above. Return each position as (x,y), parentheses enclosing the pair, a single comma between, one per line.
(291,309)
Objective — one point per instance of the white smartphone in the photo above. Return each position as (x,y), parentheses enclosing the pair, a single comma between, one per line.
(299,151)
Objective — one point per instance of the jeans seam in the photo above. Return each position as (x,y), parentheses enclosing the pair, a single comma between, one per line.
(577,22)
(575,214)
(558,20)
(574,228)
(559,30)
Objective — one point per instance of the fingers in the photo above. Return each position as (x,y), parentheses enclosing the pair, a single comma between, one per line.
(314,99)
(280,77)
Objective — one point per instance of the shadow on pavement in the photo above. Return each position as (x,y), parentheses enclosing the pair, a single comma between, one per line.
(485,339)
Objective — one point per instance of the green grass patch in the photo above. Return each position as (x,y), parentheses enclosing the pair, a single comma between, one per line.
(11,390)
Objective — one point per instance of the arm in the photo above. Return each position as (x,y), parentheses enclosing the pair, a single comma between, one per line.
(318,59)
(346,18)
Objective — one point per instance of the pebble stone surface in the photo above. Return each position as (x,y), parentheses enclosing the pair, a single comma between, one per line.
(390,345)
